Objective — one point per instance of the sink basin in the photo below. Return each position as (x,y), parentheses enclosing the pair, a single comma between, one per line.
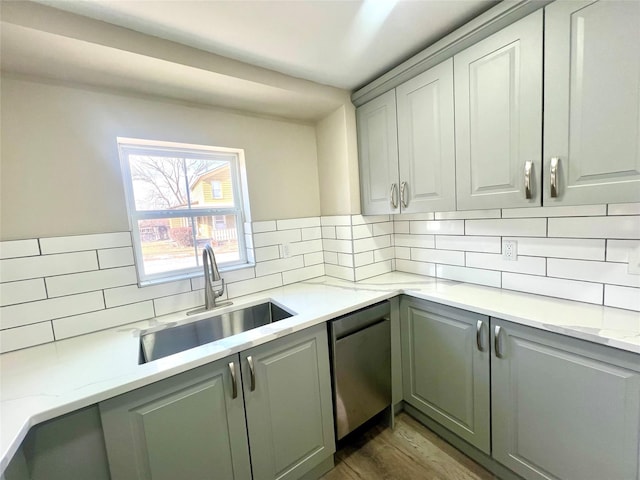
(170,340)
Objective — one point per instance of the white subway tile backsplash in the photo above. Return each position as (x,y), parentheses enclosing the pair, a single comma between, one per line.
(47,265)
(336,220)
(419,268)
(438,227)
(89,281)
(450,257)
(230,276)
(41,310)
(516,227)
(27,336)
(622,227)
(554,287)
(300,248)
(373,243)
(115,257)
(383,254)
(313,258)
(493,261)
(619,250)
(345,259)
(471,244)
(624,209)
(22,291)
(403,252)
(362,219)
(373,270)
(471,275)
(280,265)
(343,232)
(401,227)
(276,238)
(114,297)
(364,258)
(329,232)
(385,228)
(91,322)
(77,243)
(331,257)
(340,246)
(266,226)
(19,248)
(467,214)
(582,249)
(363,231)
(302,274)
(311,233)
(254,285)
(622,297)
(179,302)
(292,223)
(404,217)
(419,241)
(601,272)
(569,211)
(262,254)
(345,273)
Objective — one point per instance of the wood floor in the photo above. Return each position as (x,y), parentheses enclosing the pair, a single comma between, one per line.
(409,452)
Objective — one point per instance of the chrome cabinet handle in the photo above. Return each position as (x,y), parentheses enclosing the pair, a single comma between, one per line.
(498,342)
(252,372)
(393,196)
(527,179)
(479,342)
(234,380)
(553,176)
(403,189)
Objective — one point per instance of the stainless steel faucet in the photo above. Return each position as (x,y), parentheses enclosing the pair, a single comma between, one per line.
(211,275)
(211,269)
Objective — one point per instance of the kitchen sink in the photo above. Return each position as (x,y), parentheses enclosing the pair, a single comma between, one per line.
(173,339)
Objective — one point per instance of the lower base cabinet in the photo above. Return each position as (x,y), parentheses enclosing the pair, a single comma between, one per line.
(273,400)
(559,408)
(562,408)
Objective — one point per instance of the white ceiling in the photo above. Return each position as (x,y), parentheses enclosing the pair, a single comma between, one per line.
(341,43)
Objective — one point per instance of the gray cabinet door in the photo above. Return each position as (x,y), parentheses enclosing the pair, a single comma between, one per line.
(592,101)
(378,155)
(564,408)
(426,144)
(445,367)
(185,427)
(498,96)
(288,404)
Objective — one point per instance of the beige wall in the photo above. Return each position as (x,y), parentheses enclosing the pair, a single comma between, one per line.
(60,171)
(338,162)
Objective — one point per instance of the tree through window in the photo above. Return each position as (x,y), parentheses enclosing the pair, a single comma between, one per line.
(179,199)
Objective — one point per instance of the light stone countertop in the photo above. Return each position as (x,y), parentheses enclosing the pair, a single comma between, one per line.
(46,381)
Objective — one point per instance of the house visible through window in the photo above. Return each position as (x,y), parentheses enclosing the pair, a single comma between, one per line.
(180,198)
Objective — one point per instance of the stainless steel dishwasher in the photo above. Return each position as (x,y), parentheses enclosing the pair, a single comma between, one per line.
(361,366)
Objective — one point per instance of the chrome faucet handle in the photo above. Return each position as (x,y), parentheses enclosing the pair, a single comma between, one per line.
(220,292)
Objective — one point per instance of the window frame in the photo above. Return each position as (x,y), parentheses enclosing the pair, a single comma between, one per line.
(235,157)
(219,190)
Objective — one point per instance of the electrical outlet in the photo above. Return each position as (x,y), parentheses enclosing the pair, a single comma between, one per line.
(510,250)
(634,261)
(285,250)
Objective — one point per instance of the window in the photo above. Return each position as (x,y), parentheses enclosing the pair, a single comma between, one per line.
(216,189)
(181,197)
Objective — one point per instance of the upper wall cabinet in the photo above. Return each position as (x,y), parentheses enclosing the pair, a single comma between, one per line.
(407,154)
(592,102)
(378,150)
(426,145)
(498,108)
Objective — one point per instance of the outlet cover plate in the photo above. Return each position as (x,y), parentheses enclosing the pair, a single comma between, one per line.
(510,250)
